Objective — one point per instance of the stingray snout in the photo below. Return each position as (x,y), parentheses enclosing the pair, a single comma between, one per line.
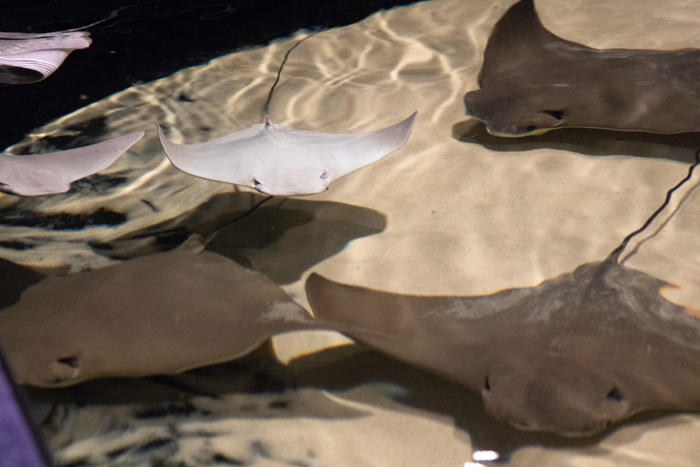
(570,402)
(299,185)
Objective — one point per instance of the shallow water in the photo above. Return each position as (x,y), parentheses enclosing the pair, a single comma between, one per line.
(454,211)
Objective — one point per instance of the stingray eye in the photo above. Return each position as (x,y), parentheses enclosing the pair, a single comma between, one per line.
(530,128)
(614,395)
(323,176)
(558,114)
(487,385)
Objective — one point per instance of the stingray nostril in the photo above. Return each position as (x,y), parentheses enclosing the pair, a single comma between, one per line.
(615,395)
(323,176)
(487,385)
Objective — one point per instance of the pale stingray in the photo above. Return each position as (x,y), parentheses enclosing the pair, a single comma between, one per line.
(159,314)
(277,160)
(571,356)
(44,174)
(28,58)
(532,81)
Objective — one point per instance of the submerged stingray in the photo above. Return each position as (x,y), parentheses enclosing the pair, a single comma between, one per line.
(44,174)
(28,58)
(572,355)
(532,81)
(159,314)
(282,161)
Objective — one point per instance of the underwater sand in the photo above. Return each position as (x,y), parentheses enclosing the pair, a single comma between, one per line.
(461,219)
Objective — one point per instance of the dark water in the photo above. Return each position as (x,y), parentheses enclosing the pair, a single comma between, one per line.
(147,40)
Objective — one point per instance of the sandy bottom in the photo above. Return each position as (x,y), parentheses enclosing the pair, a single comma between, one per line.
(461,213)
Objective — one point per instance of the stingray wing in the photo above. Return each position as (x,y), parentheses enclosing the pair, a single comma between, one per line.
(237,157)
(446,334)
(217,159)
(342,154)
(43,174)
(28,58)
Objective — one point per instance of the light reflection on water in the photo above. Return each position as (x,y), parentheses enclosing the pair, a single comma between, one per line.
(461,219)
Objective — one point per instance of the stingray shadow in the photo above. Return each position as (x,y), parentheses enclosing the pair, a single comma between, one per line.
(285,237)
(679,147)
(346,367)
(282,237)
(256,374)
(15,280)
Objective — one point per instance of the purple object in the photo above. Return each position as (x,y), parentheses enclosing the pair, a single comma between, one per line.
(19,443)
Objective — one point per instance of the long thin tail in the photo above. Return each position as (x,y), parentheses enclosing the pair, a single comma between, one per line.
(266,107)
(615,254)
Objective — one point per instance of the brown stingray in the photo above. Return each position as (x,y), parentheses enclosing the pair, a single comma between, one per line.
(160,314)
(532,81)
(571,356)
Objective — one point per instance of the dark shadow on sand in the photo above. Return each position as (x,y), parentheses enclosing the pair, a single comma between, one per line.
(282,237)
(592,142)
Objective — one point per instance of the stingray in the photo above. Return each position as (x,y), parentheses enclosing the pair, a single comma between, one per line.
(570,356)
(159,314)
(533,81)
(28,58)
(44,174)
(277,160)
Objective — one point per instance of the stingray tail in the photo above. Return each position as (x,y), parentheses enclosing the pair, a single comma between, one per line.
(615,254)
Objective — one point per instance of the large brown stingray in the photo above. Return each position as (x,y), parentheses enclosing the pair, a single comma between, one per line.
(571,356)
(532,81)
(160,314)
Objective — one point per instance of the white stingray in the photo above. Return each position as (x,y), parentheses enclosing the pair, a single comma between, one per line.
(44,174)
(278,160)
(282,161)
(28,58)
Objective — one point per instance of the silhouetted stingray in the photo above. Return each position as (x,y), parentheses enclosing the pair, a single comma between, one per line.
(28,58)
(159,314)
(282,161)
(44,174)
(571,355)
(532,81)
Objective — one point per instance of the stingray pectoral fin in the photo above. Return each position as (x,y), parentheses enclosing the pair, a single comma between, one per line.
(218,159)
(28,58)
(43,174)
(380,319)
(352,151)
